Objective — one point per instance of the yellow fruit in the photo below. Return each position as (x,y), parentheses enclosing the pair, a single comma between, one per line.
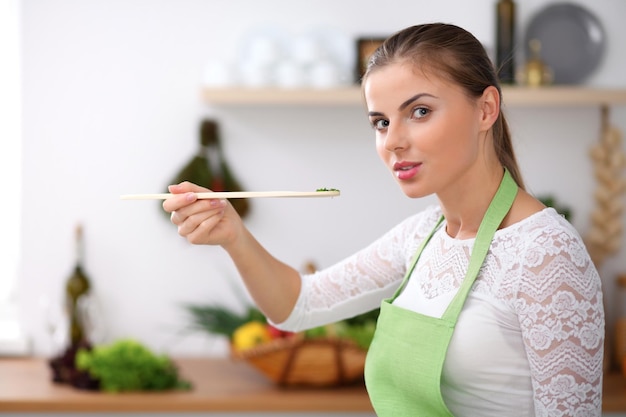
(251,334)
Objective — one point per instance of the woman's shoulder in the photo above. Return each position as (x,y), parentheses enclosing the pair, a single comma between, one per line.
(535,251)
(544,235)
(546,222)
(524,206)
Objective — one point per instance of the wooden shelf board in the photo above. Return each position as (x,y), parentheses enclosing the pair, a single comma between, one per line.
(513,96)
(563,96)
(254,96)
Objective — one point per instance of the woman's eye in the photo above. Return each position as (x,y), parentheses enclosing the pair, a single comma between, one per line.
(420,112)
(380,124)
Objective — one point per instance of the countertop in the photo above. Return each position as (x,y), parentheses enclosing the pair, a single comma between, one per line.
(219,385)
(614,396)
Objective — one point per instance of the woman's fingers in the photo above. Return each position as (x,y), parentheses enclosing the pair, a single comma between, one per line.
(187,222)
(186,187)
(201,233)
(178,201)
(198,220)
(184,195)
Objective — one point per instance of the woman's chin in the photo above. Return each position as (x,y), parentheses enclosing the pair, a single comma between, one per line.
(411,192)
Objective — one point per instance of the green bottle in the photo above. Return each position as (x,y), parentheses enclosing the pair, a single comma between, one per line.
(76,288)
(505,41)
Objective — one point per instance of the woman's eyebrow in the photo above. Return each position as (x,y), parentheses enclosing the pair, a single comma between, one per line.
(405,104)
(412,99)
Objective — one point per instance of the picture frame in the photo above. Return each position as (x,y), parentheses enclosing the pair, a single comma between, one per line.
(365,47)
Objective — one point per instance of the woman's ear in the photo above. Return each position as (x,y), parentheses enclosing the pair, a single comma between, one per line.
(489,107)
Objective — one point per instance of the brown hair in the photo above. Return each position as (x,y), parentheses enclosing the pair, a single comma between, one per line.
(452,52)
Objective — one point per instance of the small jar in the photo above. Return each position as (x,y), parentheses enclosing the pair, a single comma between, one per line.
(535,72)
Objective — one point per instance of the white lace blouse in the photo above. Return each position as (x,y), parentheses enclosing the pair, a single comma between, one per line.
(529,341)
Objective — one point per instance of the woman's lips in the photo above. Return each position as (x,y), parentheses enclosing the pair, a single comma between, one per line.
(406,170)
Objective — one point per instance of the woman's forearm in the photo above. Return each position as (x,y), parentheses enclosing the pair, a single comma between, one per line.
(273,285)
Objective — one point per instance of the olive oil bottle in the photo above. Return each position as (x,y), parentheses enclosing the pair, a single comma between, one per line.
(505,41)
(77,287)
(77,294)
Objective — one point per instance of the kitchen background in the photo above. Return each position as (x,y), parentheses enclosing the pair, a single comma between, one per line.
(112,105)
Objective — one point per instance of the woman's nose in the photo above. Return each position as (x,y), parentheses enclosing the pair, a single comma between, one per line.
(396,138)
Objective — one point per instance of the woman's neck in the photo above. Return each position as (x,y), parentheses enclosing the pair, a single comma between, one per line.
(465,204)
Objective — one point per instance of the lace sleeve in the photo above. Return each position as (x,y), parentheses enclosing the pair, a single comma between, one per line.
(559,302)
(359,283)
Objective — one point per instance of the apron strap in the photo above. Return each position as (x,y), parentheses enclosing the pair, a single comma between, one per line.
(497,211)
(415,258)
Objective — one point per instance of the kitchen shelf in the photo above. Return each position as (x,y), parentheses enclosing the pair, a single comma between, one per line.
(243,96)
(351,96)
(563,96)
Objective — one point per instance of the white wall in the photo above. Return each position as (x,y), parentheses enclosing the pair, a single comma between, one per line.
(112,105)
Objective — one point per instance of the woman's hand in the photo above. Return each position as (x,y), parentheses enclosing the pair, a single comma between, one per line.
(204,221)
(274,286)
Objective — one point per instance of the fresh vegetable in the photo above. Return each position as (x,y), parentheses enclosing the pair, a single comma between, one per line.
(127,365)
(361,334)
(219,320)
(321,331)
(250,335)
(359,331)
(550,201)
(277,333)
(64,369)
(251,328)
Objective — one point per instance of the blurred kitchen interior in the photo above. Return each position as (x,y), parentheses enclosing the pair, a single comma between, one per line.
(111,105)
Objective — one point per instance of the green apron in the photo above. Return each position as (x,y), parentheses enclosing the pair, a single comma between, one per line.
(405,360)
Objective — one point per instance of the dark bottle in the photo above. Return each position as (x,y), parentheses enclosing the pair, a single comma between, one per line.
(505,41)
(209,168)
(76,288)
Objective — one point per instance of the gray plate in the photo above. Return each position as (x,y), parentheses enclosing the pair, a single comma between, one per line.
(572,41)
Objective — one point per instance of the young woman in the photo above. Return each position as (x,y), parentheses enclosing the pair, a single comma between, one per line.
(490,304)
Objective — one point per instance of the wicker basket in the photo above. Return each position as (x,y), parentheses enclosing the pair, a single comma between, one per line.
(296,361)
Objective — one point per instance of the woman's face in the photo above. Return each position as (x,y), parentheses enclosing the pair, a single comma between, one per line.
(428,131)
